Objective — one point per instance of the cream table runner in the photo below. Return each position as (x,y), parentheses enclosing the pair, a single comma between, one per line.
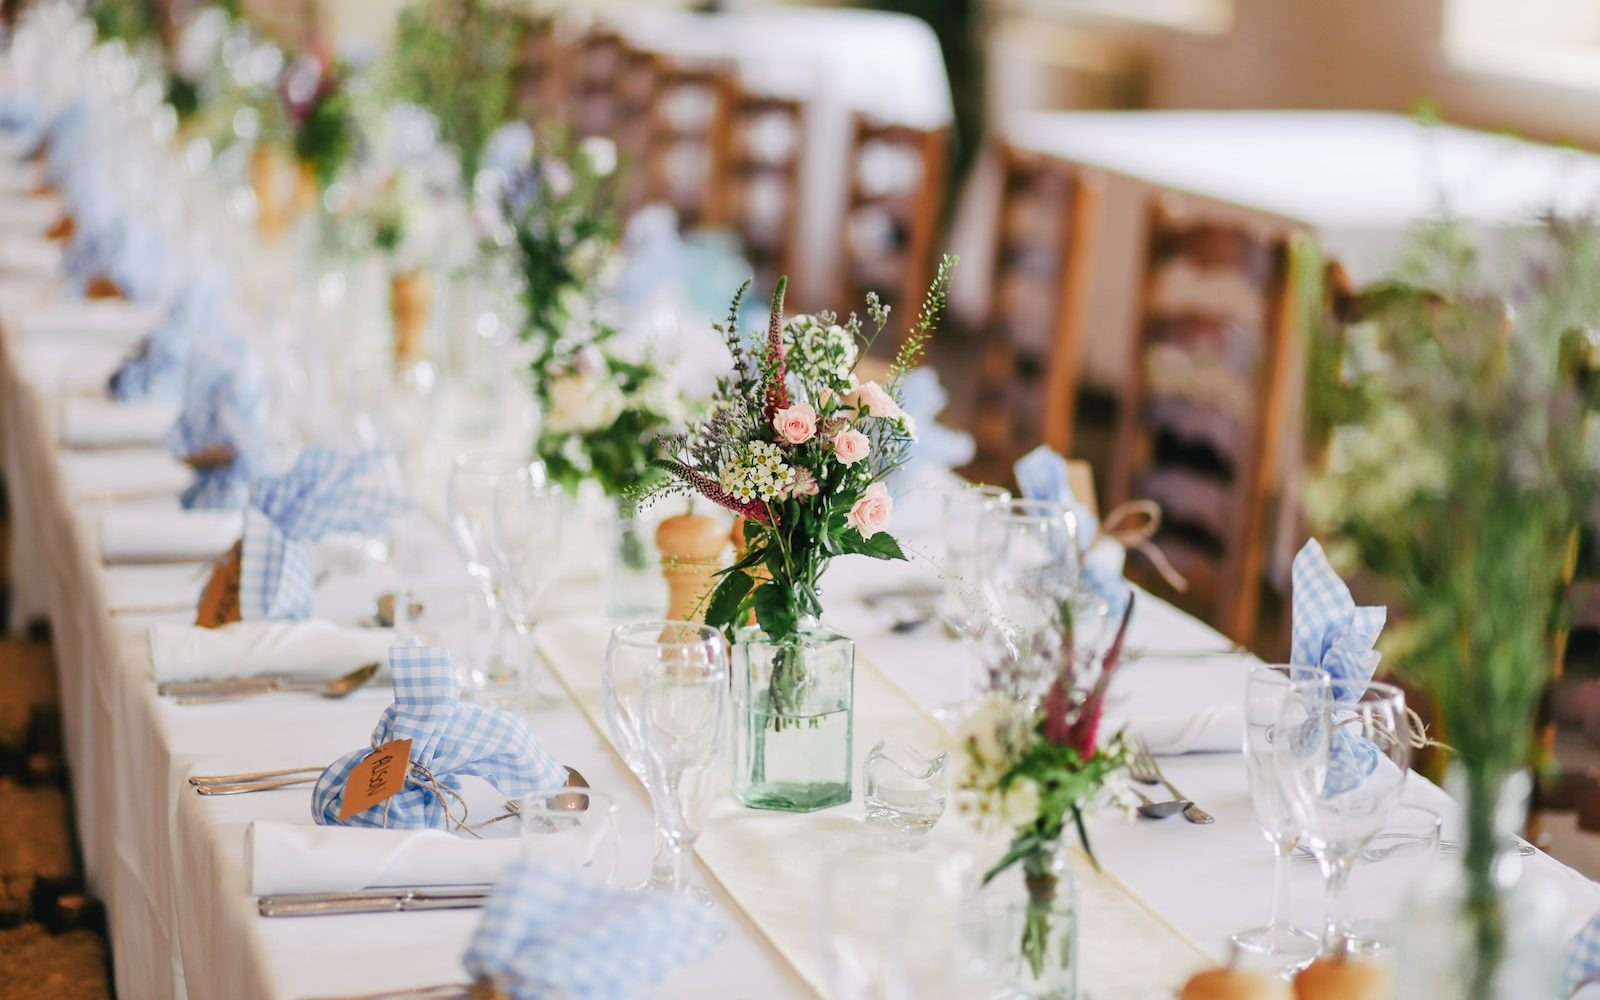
(1126,949)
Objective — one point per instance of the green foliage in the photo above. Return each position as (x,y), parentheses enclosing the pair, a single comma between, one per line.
(457,58)
(132,21)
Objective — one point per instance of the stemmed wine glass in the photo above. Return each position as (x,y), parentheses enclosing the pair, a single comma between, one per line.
(633,652)
(1028,566)
(683,724)
(474,477)
(526,532)
(961,606)
(1342,754)
(1265,692)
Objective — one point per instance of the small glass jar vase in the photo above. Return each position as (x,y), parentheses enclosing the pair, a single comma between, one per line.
(794,718)
(634,585)
(1023,928)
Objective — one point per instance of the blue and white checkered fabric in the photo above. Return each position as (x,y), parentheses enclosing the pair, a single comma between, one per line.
(549,933)
(1042,475)
(923,398)
(326,490)
(1583,956)
(131,254)
(1330,632)
(24,116)
(449,739)
(224,404)
(156,369)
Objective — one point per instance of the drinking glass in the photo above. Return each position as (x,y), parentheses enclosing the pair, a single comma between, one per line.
(1278,940)
(634,651)
(906,791)
(962,607)
(527,549)
(1028,566)
(683,724)
(1342,756)
(1412,838)
(469,505)
(572,825)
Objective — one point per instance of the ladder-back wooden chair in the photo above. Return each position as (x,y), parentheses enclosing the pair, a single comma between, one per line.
(686,164)
(1202,421)
(1029,379)
(896,198)
(591,106)
(762,197)
(541,70)
(632,121)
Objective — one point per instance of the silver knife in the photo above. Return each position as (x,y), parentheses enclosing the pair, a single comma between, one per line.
(222,686)
(391,901)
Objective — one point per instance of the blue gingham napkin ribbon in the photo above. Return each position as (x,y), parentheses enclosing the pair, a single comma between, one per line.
(326,490)
(923,398)
(1583,956)
(1331,632)
(547,932)
(131,254)
(449,740)
(156,369)
(1042,475)
(224,405)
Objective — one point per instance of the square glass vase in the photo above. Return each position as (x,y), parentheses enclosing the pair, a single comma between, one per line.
(794,718)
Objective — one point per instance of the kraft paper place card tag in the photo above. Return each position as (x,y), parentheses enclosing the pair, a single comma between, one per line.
(381,774)
(219,602)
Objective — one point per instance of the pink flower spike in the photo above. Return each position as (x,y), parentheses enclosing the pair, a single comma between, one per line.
(777,389)
(709,488)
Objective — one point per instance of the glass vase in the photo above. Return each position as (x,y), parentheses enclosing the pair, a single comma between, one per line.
(634,586)
(1023,928)
(1473,928)
(794,718)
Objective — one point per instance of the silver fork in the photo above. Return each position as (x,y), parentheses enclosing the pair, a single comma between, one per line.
(244,776)
(1143,769)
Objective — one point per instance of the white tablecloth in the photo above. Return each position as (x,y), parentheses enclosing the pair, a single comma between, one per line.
(839,62)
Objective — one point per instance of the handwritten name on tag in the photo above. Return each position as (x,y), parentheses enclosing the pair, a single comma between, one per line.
(381,774)
(219,602)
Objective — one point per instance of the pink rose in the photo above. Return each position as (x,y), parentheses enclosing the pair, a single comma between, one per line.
(850,446)
(870,514)
(873,400)
(795,424)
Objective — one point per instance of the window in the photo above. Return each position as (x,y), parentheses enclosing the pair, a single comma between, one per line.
(1557,41)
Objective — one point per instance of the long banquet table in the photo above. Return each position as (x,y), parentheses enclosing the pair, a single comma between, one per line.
(170,864)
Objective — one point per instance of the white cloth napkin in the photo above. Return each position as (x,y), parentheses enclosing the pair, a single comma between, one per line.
(128,473)
(1208,730)
(170,589)
(29,254)
(248,649)
(167,535)
(295,857)
(92,319)
(104,423)
(29,214)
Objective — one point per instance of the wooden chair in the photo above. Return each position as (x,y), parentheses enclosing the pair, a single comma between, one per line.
(686,165)
(897,189)
(542,70)
(632,121)
(761,201)
(1201,424)
(591,106)
(1029,379)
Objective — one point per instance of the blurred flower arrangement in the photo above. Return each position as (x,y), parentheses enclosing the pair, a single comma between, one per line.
(457,59)
(1457,474)
(1029,770)
(800,449)
(320,113)
(194,58)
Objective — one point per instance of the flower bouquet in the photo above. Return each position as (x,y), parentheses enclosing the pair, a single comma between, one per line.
(315,90)
(799,449)
(559,213)
(1030,771)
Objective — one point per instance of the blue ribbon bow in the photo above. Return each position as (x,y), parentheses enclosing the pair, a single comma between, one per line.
(449,740)
(1042,475)
(547,932)
(923,398)
(224,406)
(326,490)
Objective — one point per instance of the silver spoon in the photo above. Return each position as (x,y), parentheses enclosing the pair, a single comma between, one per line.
(1159,810)
(336,688)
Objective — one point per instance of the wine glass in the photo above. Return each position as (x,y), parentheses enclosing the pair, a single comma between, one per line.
(469,506)
(633,651)
(1268,685)
(1342,756)
(526,534)
(962,607)
(683,723)
(1028,566)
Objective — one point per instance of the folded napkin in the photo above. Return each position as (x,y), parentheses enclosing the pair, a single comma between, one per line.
(156,369)
(1583,958)
(87,422)
(28,214)
(294,857)
(160,592)
(549,933)
(175,535)
(224,411)
(130,253)
(1219,729)
(1043,475)
(30,254)
(1329,631)
(250,649)
(75,319)
(120,474)
(450,740)
(326,491)
(923,398)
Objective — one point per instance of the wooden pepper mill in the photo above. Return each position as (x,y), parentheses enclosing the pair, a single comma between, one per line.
(1234,984)
(410,297)
(691,547)
(1342,977)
